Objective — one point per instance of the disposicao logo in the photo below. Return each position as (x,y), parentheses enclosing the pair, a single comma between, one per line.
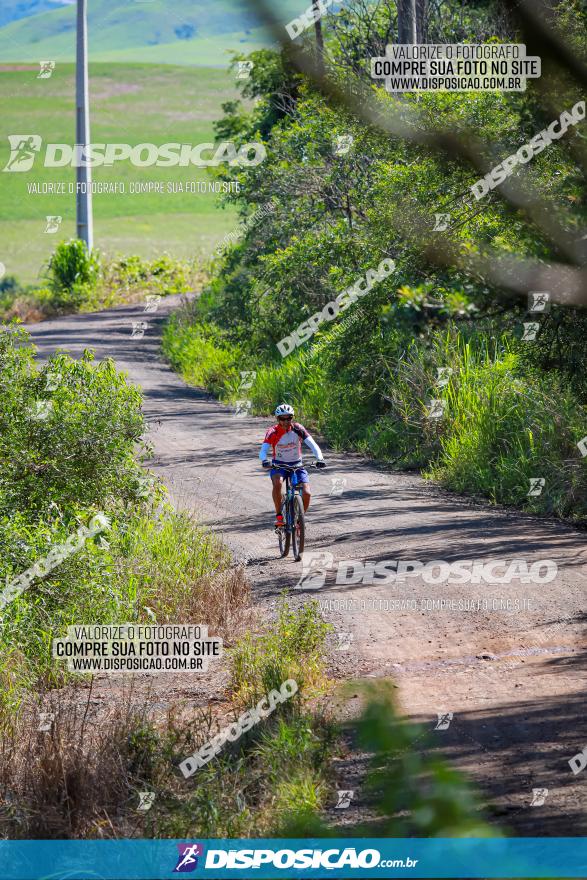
(188,857)
(24,149)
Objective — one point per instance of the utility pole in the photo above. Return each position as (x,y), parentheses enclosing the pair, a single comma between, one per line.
(83,199)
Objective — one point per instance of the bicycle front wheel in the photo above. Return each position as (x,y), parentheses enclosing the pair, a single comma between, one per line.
(299,529)
(284,533)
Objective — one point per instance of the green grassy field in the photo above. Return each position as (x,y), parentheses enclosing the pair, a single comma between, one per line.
(130,103)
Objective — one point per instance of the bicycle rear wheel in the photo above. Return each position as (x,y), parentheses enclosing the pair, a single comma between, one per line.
(299,529)
(283,533)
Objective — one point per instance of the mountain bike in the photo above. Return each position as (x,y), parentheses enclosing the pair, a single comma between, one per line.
(293,531)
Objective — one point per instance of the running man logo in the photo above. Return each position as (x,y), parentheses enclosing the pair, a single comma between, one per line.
(578,762)
(530,330)
(152,302)
(188,857)
(338,486)
(436,409)
(52,381)
(23,150)
(343,144)
(537,484)
(46,720)
(538,301)
(244,69)
(40,410)
(441,222)
(315,565)
(138,329)
(539,796)
(344,799)
(242,408)
(247,379)
(53,223)
(443,375)
(444,719)
(146,801)
(344,640)
(46,69)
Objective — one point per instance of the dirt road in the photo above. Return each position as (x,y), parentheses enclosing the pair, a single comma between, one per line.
(513,676)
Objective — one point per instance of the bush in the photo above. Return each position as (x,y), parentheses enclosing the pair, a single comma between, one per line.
(180,571)
(9,285)
(506,429)
(293,647)
(82,281)
(163,275)
(73,272)
(67,431)
(197,351)
(505,422)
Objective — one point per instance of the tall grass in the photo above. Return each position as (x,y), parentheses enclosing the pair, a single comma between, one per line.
(504,422)
(55,474)
(72,271)
(164,569)
(507,429)
(82,778)
(292,647)
(196,351)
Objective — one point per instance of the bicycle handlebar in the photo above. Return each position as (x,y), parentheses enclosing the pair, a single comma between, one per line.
(288,467)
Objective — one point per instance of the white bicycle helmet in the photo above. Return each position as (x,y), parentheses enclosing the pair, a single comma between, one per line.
(284,409)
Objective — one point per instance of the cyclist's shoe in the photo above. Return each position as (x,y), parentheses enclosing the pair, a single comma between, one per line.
(279,523)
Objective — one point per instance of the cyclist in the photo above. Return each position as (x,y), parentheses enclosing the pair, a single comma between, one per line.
(284,440)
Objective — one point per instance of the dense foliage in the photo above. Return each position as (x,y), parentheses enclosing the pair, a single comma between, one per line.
(345,195)
(71,446)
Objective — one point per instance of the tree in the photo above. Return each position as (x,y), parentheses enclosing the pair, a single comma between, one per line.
(407,18)
(319,37)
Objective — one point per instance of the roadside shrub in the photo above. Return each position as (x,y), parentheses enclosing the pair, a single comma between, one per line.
(143,567)
(506,429)
(73,272)
(79,589)
(504,420)
(292,647)
(82,780)
(163,275)
(9,286)
(178,570)
(80,281)
(67,431)
(198,353)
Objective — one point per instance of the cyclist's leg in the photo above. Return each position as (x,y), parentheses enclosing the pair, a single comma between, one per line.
(277,481)
(304,481)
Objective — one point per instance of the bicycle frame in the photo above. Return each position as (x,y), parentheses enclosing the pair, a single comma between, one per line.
(293,530)
(291,487)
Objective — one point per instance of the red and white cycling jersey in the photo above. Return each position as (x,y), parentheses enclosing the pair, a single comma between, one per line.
(286,444)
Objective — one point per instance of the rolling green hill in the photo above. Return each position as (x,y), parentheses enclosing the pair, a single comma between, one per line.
(160,31)
(12,10)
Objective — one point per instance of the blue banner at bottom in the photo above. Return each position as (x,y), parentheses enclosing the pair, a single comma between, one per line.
(529,857)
